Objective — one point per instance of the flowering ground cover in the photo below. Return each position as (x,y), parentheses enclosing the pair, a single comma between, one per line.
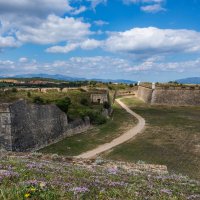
(50,177)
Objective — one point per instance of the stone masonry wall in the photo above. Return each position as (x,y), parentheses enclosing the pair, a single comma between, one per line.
(5,127)
(144,94)
(31,126)
(176,96)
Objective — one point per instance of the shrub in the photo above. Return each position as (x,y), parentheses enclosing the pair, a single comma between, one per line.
(106,105)
(38,100)
(131,85)
(84,102)
(14,90)
(95,117)
(64,104)
(29,94)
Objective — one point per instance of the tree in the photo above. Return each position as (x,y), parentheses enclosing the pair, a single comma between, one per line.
(64,104)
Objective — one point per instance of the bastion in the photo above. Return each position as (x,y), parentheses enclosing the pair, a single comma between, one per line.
(173,96)
(25,126)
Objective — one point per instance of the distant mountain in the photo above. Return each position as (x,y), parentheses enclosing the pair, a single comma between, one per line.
(191,80)
(68,78)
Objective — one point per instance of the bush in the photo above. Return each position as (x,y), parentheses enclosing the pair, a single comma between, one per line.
(106,105)
(29,94)
(64,104)
(95,117)
(38,100)
(131,85)
(14,90)
(84,102)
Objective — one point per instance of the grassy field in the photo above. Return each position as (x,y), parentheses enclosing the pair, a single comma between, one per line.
(116,125)
(172,138)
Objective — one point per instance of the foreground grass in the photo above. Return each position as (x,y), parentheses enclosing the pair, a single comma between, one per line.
(30,177)
(172,138)
(75,145)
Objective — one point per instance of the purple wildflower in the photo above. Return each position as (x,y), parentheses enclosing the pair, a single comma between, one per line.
(78,190)
(112,170)
(166,191)
(117,184)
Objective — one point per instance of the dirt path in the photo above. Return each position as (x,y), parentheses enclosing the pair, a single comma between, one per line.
(123,138)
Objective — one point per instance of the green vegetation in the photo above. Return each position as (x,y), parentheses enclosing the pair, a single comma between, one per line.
(119,123)
(171,138)
(69,102)
(64,104)
(56,178)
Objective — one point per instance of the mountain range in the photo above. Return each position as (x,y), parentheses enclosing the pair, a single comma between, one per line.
(68,78)
(191,80)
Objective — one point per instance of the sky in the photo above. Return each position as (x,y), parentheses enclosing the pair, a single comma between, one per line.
(140,40)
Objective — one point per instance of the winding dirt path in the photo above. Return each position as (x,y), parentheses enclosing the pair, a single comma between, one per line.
(121,139)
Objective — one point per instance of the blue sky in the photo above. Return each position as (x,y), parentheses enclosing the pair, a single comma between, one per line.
(146,40)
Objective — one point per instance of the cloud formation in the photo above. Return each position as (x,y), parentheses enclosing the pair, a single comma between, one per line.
(98,67)
(54,29)
(150,6)
(143,42)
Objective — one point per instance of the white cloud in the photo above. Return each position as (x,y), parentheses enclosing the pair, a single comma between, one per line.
(36,7)
(90,44)
(8,41)
(62,49)
(100,66)
(150,6)
(156,65)
(39,22)
(153,8)
(95,3)
(87,44)
(100,23)
(53,30)
(75,66)
(79,10)
(151,41)
(23,60)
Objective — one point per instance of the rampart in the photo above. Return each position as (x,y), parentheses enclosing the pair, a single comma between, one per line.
(171,95)
(26,127)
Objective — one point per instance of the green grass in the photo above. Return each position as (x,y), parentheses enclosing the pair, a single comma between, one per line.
(119,123)
(171,137)
(39,177)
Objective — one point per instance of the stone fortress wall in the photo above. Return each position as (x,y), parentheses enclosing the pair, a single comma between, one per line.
(46,90)
(171,95)
(25,127)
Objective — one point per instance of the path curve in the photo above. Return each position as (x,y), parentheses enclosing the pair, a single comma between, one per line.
(121,139)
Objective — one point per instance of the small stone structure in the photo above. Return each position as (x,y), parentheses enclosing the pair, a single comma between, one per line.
(25,127)
(99,96)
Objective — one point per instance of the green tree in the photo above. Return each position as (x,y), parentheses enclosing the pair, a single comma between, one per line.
(64,104)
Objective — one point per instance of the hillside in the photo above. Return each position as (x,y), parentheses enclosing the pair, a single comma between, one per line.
(50,177)
(191,80)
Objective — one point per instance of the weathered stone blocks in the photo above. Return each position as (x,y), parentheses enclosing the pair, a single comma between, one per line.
(25,126)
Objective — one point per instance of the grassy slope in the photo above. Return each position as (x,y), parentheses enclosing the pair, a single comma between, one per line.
(119,123)
(29,177)
(75,96)
(172,138)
